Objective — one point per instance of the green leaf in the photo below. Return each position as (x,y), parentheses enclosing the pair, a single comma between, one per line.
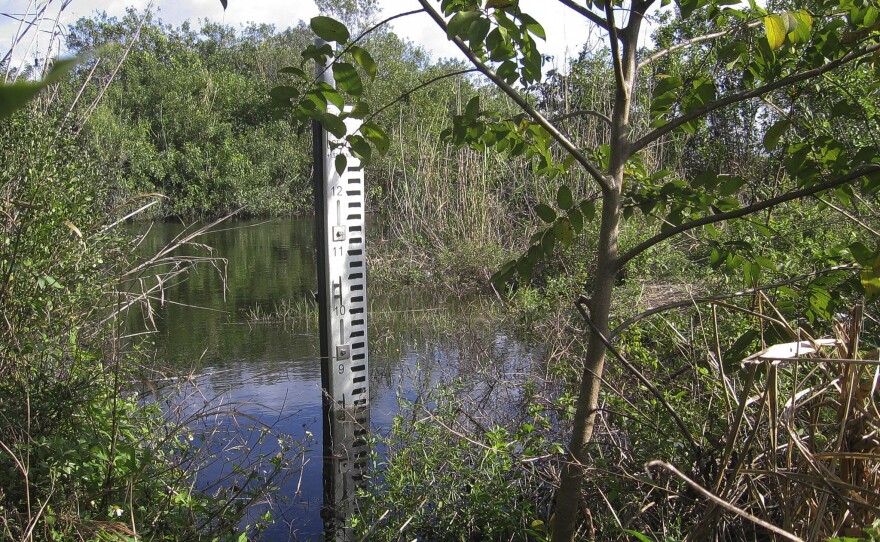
(360,147)
(564,232)
(15,96)
(639,536)
(294,71)
(548,241)
(333,124)
(341,162)
(329,94)
(751,273)
(377,136)
(861,254)
(666,84)
(461,22)
(524,268)
(870,282)
(472,111)
(329,29)
(533,26)
(588,209)
(741,347)
(564,199)
(364,60)
(576,219)
(775,28)
(545,213)
(284,93)
(478,32)
(500,277)
(347,79)
(802,26)
(731,185)
(359,110)
(771,137)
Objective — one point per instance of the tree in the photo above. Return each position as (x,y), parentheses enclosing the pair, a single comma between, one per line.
(751,61)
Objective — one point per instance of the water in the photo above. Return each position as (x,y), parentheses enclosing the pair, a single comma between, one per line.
(266,374)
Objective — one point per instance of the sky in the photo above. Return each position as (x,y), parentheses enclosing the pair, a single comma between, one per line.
(566,31)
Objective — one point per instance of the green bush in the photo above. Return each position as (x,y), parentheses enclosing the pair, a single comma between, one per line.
(82,457)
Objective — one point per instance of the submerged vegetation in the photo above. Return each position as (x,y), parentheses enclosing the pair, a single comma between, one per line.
(689,225)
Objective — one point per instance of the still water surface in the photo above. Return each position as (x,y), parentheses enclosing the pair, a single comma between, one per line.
(269,372)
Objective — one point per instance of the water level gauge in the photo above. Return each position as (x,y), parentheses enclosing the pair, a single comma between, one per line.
(345,274)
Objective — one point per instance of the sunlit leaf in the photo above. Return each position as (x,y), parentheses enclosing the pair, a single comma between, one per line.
(461,22)
(639,536)
(347,78)
(775,28)
(564,232)
(533,26)
(861,254)
(360,147)
(377,136)
(364,60)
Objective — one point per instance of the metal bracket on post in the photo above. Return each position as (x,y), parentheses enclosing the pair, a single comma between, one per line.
(342,306)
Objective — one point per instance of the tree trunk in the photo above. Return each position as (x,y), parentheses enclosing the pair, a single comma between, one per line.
(568,498)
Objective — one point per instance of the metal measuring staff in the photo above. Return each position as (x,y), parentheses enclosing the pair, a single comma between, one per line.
(342,307)
(342,270)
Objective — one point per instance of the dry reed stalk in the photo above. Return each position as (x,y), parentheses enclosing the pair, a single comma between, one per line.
(803,451)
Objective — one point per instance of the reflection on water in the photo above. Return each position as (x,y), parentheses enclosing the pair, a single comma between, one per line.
(269,372)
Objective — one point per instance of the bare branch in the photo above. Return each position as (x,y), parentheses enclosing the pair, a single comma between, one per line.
(760,206)
(615,50)
(386,21)
(581,10)
(742,96)
(406,94)
(521,102)
(693,41)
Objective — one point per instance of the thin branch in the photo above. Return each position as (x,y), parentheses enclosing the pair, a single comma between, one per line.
(615,50)
(722,503)
(133,39)
(849,215)
(742,96)
(406,94)
(693,41)
(760,206)
(362,35)
(578,113)
(695,448)
(521,102)
(384,22)
(742,293)
(581,10)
